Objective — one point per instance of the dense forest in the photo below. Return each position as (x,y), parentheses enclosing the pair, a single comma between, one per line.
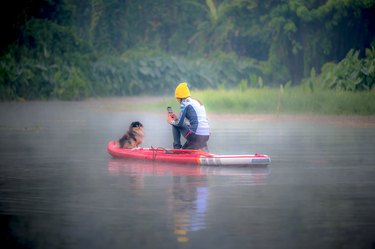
(72,49)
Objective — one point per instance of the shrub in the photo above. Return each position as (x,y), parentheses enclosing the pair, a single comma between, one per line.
(350,74)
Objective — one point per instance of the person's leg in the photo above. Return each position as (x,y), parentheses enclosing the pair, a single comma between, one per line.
(189,145)
(177,131)
(205,148)
(176,137)
(196,142)
(203,143)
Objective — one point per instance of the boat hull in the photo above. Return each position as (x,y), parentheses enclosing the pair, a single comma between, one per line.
(197,157)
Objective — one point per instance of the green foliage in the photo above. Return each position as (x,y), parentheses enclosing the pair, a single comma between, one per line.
(34,79)
(306,34)
(291,100)
(70,84)
(350,74)
(368,70)
(283,100)
(117,47)
(243,85)
(260,82)
(50,62)
(47,40)
(28,79)
(158,73)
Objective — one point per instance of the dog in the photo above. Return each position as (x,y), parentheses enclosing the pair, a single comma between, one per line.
(133,137)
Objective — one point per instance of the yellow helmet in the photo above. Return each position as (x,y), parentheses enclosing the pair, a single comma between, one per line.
(182,91)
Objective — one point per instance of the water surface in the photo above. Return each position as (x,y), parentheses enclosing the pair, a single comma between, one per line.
(60,189)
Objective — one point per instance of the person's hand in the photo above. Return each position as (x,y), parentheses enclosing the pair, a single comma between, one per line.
(171,118)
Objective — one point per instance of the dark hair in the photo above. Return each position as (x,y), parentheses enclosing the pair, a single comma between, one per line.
(136,124)
(123,139)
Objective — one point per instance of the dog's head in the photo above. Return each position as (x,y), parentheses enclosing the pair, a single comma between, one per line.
(136,126)
(137,129)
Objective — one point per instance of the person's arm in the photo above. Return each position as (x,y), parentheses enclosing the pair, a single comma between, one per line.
(172,118)
(178,121)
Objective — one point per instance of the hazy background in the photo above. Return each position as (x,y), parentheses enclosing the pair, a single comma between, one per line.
(71,49)
(61,62)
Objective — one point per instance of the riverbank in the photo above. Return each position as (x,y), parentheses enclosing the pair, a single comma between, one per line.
(292,100)
(338,120)
(158,105)
(281,101)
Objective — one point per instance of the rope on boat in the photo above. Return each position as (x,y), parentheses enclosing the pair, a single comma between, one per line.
(155,151)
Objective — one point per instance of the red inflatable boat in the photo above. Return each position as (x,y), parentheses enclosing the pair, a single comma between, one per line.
(186,156)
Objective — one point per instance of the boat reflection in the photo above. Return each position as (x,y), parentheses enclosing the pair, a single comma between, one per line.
(188,195)
(146,168)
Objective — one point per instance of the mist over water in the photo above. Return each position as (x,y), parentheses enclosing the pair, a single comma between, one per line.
(59,188)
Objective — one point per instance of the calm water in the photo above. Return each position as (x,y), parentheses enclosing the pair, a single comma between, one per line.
(60,189)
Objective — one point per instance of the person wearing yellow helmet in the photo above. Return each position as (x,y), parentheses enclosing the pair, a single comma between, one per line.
(192,122)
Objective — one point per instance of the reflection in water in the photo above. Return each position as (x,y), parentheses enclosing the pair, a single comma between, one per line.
(146,168)
(55,193)
(252,175)
(188,197)
(188,204)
